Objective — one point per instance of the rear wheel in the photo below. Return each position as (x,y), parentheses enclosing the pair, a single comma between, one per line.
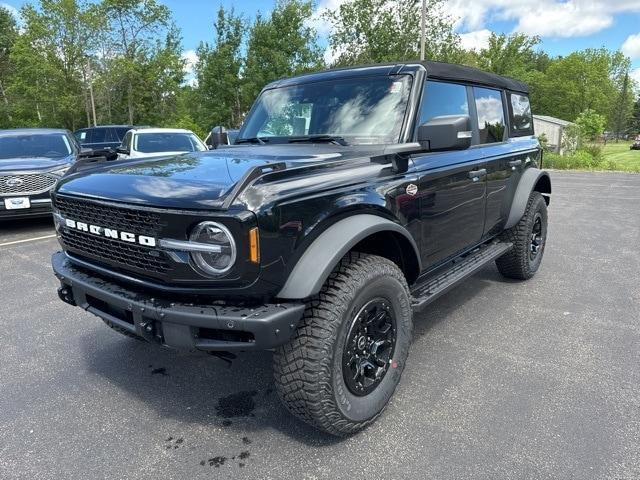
(529,237)
(345,360)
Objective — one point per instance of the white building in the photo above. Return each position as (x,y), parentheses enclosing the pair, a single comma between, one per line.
(552,128)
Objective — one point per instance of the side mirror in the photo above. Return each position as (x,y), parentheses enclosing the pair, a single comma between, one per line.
(218,137)
(451,132)
(123,150)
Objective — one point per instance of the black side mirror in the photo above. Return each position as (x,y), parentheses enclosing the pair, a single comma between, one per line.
(123,150)
(451,132)
(218,137)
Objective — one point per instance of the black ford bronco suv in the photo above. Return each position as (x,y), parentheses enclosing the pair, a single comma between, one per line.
(350,200)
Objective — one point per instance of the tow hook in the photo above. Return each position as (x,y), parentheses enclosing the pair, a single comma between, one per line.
(66,295)
(149,331)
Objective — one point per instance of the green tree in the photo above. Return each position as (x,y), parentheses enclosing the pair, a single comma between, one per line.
(280,45)
(622,108)
(49,59)
(634,123)
(218,73)
(372,31)
(583,80)
(591,124)
(134,27)
(8,36)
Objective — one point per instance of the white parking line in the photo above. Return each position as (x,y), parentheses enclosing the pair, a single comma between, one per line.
(26,240)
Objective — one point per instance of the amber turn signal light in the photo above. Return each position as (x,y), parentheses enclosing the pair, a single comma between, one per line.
(254,245)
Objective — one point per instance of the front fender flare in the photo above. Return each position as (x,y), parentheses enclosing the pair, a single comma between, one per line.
(320,258)
(527,184)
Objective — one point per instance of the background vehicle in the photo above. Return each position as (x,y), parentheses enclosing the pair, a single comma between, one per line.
(220,136)
(31,162)
(154,142)
(351,199)
(102,137)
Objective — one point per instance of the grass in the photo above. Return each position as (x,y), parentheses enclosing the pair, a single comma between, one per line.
(622,155)
(614,156)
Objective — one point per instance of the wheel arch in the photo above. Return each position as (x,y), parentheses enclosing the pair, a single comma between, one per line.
(366,233)
(533,180)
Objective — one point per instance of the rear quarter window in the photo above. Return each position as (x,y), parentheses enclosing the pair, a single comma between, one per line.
(521,119)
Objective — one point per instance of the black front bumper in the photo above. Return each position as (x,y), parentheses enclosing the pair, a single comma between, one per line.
(197,325)
(40,207)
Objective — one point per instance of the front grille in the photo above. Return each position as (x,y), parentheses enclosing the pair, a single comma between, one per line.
(114,251)
(122,254)
(140,222)
(26,183)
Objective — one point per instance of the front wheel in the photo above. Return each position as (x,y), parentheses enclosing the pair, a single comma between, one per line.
(346,357)
(529,238)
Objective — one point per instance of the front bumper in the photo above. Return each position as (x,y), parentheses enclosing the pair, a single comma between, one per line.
(197,325)
(40,207)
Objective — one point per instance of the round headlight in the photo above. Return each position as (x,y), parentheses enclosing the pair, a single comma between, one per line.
(212,233)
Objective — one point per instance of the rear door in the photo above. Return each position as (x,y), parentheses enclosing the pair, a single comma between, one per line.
(506,155)
(451,185)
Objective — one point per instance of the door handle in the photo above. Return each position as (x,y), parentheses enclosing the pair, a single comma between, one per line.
(476,174)
(515,163)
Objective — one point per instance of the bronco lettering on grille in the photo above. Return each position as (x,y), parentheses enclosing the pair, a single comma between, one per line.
(111,233)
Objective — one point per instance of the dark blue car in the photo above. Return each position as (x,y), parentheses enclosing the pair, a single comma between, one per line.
(31,163)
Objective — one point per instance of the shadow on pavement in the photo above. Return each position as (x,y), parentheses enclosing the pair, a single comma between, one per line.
(204,390)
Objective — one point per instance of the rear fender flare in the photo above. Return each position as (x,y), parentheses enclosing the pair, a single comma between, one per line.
(531,178)
(321,257)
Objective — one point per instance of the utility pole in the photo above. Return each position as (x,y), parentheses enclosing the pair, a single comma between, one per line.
(93,103)
(423,28)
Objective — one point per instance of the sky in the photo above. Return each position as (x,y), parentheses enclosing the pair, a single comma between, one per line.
(563,25)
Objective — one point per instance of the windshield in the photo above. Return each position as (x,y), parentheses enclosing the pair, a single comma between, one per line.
(34,145)
(359,110)
(167,142)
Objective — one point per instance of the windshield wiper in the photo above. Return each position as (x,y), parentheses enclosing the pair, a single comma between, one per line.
(260,140)
(319,139)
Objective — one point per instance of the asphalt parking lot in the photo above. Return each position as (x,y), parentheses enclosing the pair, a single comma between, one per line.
(504,380)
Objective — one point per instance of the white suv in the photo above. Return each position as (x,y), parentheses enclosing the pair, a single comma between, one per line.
(156,142)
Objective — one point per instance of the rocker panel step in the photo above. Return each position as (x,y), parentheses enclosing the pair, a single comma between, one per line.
(427,291)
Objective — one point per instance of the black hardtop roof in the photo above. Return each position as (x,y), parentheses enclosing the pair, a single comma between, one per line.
(436,70)
(32,131)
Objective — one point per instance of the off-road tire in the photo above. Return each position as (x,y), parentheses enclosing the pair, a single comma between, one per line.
(308,369)
(121,330)
(517,262)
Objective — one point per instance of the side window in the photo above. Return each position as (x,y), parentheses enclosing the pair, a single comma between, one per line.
(98,135)
(521,119)
(490,110)
(126,141)
(81,136)
(440,99)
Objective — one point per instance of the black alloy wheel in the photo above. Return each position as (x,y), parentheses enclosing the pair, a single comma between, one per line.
(369,348)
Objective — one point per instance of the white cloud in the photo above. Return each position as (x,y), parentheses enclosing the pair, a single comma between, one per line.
(190,58)
(551,18)
(631,46)
(476,40)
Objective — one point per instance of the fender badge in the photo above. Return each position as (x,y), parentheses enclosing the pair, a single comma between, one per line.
(412,189)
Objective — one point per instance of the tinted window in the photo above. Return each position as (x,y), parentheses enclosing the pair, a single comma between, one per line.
(81,135)
(443,99)
(521,118)
(126,141)
(490,114)
(120,132)
(51,146)
(167,142)
(363,110)
(99,135)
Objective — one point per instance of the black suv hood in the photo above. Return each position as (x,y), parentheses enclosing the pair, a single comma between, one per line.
(197,180)
(33,163)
